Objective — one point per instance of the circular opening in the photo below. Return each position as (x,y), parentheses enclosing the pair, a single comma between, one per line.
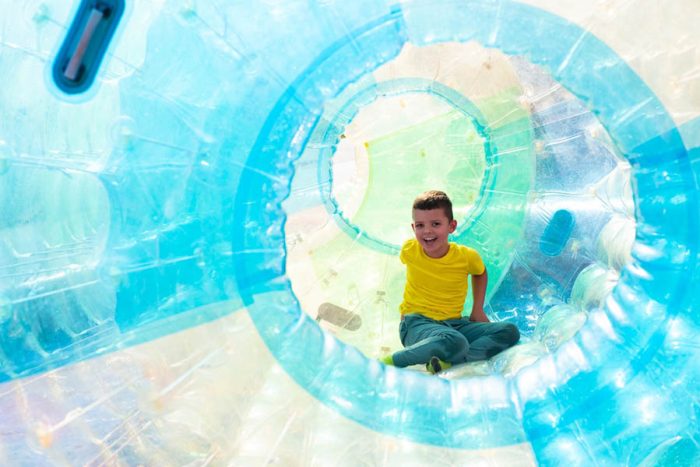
(345,375)
(539,189)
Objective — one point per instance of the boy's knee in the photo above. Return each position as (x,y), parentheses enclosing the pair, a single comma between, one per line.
(455,345)
(511,333)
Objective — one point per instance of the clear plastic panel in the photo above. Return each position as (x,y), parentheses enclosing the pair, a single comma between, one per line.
(199,253)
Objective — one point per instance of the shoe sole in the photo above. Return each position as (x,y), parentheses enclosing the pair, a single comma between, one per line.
(435,365)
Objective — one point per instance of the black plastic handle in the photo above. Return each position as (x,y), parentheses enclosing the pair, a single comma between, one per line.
(86,43)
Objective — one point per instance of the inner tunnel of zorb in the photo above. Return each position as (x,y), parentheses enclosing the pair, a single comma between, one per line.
(200,248)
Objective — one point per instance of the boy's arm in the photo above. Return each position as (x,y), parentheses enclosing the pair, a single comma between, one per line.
(479,293)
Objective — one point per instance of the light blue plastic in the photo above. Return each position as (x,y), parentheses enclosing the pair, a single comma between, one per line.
(194,192)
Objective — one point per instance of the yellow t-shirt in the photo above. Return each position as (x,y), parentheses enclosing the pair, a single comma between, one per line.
(437,287)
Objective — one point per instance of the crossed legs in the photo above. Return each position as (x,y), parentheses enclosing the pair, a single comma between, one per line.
(453,341)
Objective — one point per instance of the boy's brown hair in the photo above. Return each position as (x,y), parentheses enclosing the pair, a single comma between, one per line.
(434,199)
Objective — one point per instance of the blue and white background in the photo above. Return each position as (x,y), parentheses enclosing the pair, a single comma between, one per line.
(168,236)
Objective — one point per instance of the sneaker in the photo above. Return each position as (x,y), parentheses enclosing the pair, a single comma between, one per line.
(435,365)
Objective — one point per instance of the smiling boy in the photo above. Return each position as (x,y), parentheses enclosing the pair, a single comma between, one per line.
(432,328)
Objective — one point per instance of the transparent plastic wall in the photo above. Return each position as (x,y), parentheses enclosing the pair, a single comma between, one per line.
(198,254)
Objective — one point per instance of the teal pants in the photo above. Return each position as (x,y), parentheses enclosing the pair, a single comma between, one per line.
(453,340)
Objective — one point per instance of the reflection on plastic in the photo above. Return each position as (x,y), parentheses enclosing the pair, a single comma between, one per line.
(165,241)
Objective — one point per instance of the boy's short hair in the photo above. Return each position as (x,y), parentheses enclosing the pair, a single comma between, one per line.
(434,199)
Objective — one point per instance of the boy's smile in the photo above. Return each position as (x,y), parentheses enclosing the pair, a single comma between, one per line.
(432,228)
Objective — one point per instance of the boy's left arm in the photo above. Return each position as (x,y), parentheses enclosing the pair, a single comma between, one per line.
(479,293)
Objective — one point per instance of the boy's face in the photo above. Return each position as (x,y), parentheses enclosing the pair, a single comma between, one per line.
(432,228)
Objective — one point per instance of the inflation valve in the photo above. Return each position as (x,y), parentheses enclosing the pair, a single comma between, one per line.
(81,53)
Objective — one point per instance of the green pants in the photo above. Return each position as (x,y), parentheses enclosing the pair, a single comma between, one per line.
(453,340)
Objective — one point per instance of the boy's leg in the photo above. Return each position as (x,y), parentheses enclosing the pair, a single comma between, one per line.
(486,339)
(424,338)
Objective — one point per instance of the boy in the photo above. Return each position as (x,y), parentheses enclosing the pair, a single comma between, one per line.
(432,328)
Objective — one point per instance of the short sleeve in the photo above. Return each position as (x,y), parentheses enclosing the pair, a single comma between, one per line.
(404,251)
(476,264)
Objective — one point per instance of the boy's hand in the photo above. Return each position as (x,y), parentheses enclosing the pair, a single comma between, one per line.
(478,316)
